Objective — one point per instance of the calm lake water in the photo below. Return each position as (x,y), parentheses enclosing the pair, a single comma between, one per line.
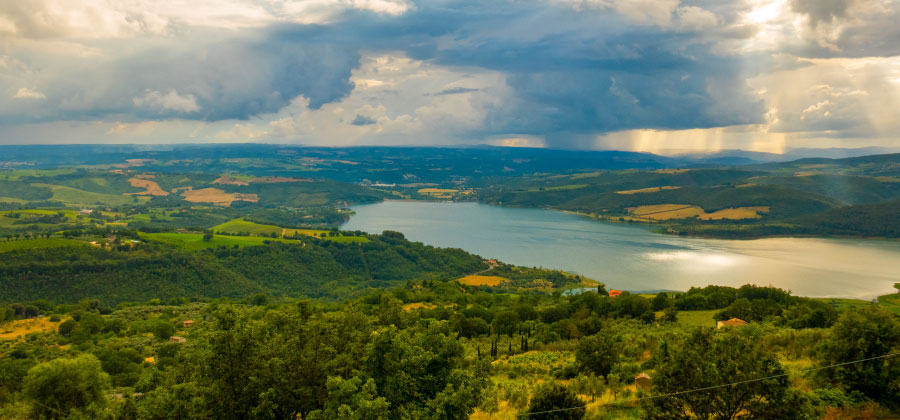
(633,258)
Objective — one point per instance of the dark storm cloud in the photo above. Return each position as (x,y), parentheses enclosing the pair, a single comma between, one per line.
(571,70)
(855,28)
(455,91)
(589,71)
(239,77)
(822,10)
(361,120)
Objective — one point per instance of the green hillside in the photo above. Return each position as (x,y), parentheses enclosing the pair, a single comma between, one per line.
(183,265)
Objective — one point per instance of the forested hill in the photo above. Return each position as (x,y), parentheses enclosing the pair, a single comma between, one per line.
(853,196)
(311,268)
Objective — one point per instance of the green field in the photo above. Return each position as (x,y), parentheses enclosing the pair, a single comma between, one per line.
(697,318)
(75,196)
(194,241)
(890,302)
(558,188)
(6,246)
(243,226)
(251,228)
(8,221)
(19,173)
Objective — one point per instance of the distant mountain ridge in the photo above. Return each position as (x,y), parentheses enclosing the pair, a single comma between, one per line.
(745,157)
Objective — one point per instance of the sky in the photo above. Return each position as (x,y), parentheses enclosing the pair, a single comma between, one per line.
(660,76)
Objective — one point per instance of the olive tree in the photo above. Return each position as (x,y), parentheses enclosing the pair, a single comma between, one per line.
(555,401)
(859,335)
(59,386)
(596,354)
(710,363)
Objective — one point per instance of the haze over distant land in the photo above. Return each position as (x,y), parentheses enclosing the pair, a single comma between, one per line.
(686,75)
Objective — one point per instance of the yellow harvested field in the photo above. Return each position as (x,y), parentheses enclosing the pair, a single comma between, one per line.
(647,190)
(482,280)
(736,213)
(667,211)
(504,412)
(217,196)
(747,185)
(277,180)
(151,187)
(887,179)
(806,173)
(227,180)
(18,329)
(683,211)
(418,305)
(288,233)
(132,163)
(433,191)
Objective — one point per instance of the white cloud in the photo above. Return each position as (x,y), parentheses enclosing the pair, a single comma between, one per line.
(693,18)
(818,110)
(400,108)
(25,93)
(171,100)
(652,12)
(93,19)
(838,97)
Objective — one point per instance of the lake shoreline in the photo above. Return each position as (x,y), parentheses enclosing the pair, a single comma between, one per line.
(660,228)
(634,257)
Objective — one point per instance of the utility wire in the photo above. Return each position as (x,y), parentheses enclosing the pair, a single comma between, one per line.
(718,386)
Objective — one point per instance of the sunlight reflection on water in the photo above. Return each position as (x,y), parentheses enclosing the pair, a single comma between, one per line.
(632,258)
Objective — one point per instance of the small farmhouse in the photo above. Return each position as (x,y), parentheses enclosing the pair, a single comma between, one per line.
(642,381)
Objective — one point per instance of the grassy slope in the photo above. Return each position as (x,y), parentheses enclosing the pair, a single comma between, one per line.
(7,246)
(76,197)
(243,226)
(251,228)
(891,302)
(194,241)
(705,318)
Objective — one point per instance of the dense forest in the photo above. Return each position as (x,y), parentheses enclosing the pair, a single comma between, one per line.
(441,350)
(140,270)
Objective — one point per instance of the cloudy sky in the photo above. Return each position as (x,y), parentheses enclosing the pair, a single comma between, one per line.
(649,75)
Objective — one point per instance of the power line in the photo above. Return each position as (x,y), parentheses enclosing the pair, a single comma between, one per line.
(672,394)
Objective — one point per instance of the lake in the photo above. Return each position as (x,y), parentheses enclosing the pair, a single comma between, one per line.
(633,258)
